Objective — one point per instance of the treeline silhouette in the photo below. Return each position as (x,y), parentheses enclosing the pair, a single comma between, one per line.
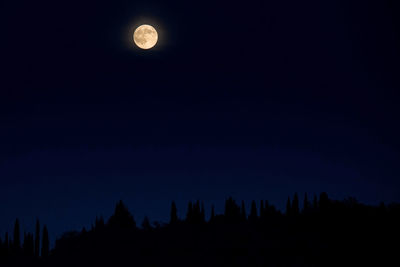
(322,232)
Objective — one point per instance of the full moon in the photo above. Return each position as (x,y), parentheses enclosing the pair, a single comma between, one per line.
(145,36)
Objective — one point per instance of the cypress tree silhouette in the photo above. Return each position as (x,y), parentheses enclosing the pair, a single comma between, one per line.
(243,213)
(45,243)
(262,209)
(202,213)
(28,246)
(267,209)
(37,239)
(295,205)
(323,201)
(253,212)
(174,216)
(228,208)
(288,207)
(212,216)
(146,224)
(189,214)
(31,247)
(99,224)
(17,236)
(232,211)
(24,244)
(382,209)
(6,243)
(306,204)
(95,223)
(315,203)
(197,212)
(122,218)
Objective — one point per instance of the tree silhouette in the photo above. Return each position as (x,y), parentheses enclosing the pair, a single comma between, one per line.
(45,243)
(122,218)
(262,209)
(354,227)
(267,209)
(253,211)
(243,213)
(24,243)
(99,223)
(28,246)
(197,216)
(146,224)
(6,243)
(202,213)
(306,204)
(295,205)
(288,207)
(189,214)
(315,202)
(212,216)
(323,201)
(17,236)
(37,239)
(232,211)
(174,216)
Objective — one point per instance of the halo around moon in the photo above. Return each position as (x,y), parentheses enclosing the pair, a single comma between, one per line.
(145,36)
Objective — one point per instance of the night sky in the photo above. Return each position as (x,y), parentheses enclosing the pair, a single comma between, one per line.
(250,99)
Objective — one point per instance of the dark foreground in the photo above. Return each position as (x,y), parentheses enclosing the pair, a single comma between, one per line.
(323,233)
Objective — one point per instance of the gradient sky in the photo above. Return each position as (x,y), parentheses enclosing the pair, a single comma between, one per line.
(254,99)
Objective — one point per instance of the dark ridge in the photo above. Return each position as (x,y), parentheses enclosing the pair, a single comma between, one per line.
(323,232)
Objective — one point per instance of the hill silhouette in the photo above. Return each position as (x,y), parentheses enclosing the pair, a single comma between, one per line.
(323,232)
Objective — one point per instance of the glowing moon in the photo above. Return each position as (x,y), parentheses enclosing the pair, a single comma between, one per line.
(145,36)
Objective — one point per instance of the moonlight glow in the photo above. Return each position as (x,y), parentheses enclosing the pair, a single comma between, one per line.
(145,36)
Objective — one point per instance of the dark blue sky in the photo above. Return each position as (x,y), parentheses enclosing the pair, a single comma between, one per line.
(254,99)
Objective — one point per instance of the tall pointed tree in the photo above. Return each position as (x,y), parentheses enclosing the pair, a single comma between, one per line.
(189,214)
(295,205)
(306,204)
(202,213)
(232,211)
(146,224)
(212,216)
(28,246)
(6,242)
(37,239)
(45,243)
(174,216)
(99,223)
(17,236)
(24,243)
(288,207)
(315,202)
(253,212)
(196,212)
(262,209)
(266,208)
(31,247)
(122,218)
(243,213)
(323,201)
